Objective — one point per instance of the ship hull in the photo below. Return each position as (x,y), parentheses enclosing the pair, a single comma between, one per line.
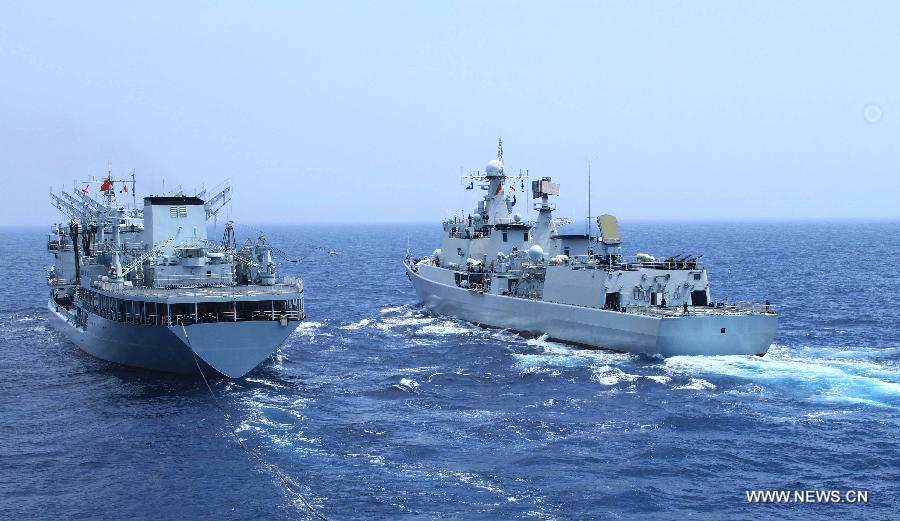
(231,349)
(592,327)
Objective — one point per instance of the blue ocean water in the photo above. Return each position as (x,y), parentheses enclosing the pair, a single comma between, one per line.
(378,410)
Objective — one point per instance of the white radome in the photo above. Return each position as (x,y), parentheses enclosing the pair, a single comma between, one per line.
(494,167)
(535,252)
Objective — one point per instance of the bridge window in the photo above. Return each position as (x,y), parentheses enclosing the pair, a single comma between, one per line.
(504,236)
(526,236)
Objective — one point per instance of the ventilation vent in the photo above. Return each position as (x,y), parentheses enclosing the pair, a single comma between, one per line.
(177,211)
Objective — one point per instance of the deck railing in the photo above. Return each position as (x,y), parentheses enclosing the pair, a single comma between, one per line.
(738,308)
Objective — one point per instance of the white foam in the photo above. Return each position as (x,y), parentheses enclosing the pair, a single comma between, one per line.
(424,369)
(696,384)
(357,325)
(609,375)
(306,325)
(475,481)
(446,327)
(264,382)
(832,380)
(406,321)
(407,384)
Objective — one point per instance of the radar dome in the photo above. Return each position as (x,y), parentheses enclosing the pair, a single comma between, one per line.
(535,252)
(437,253)
(494,167)
(517,217)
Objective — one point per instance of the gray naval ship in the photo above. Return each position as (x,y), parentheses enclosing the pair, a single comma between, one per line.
(496,269)
(145,286)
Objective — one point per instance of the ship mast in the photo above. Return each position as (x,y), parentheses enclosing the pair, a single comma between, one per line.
(587,222)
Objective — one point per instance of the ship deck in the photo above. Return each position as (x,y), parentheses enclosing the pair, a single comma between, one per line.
(240,292)
(673,311)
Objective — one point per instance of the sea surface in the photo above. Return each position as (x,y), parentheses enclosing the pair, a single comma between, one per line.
(378,410)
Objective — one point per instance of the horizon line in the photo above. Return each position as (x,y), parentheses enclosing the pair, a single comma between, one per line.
(736,220)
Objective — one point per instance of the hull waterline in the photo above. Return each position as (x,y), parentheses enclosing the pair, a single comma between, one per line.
(230,349)
(718,334)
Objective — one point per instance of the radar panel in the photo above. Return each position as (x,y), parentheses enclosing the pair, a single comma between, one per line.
(544,187)
(609,229)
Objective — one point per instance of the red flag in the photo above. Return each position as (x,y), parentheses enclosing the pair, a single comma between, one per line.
(107,185)
(499,189)
(126,189)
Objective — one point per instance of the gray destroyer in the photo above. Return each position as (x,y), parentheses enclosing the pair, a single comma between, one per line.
(496,269)
(145,287)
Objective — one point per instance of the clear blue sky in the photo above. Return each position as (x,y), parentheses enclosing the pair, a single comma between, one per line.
(359,111)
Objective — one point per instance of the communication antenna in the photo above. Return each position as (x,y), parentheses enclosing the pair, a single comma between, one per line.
(500,148)
(587,222)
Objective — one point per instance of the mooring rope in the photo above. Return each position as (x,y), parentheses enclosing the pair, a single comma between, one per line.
(288,482)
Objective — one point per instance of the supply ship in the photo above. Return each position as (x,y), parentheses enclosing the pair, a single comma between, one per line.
(496,269)
(145,287)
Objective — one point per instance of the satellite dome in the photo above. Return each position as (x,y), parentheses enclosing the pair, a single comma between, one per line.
(437,253)
(494,167)
(535,252)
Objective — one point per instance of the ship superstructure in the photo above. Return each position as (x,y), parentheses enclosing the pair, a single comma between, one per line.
(497,269)
(146,287)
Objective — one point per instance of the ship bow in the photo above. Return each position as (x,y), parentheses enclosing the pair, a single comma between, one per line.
(234,349)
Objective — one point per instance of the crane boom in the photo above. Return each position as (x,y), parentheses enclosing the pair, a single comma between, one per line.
(216,202)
